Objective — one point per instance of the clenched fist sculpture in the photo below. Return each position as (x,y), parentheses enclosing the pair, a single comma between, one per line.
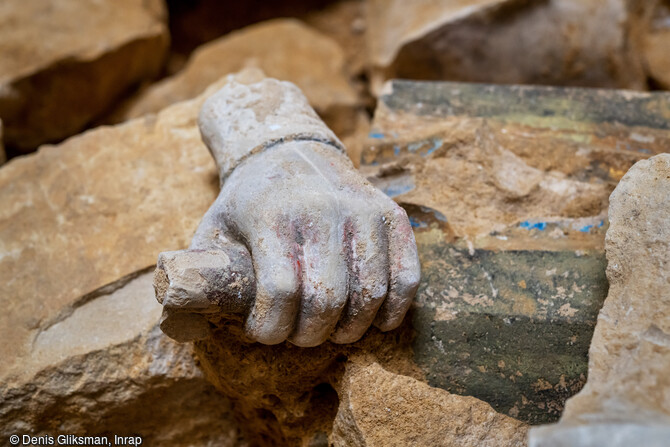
(298,243)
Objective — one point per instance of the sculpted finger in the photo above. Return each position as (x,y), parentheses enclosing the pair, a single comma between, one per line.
(277,269)
(324,282)
(368,278)
(405,271)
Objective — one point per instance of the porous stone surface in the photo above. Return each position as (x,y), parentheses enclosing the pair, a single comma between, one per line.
(75,218)
(65,63)
(505,41)
(285,49)
(380,408)
(626,396)
(507,188)
(284,394)
(489,156)
(105,367)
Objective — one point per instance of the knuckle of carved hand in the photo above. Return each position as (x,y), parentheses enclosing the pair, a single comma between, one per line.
(398,211)
(325,300)
(377,290)
(408,281)
(280,285)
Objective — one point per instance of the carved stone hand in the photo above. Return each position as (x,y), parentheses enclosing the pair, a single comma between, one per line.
(297,241)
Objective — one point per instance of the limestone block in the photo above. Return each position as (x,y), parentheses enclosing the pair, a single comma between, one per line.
(81,224)
(555,42)
(104,367)
(625,400)
(284,49)
(65,63)
(380,408)
(507,188)
(493,156)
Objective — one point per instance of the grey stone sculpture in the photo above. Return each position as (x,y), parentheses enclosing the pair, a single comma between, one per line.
(297,243)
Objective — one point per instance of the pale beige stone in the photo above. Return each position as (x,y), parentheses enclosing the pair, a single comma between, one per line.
(626,399)
(559,42)
(285,49)
(66,62)
(79,224)
(380,408)
(105,367)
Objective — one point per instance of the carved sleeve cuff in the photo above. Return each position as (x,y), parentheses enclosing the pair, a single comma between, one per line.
(241,120)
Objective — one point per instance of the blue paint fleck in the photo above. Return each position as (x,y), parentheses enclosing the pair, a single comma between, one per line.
(416,224)
(376,135)
(396,150)
(533,225)
(438,215)
(586,228)
(396,190)
(437,143)
(415,146)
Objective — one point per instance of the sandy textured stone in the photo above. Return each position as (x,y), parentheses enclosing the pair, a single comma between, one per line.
(379,408)
(75,218)
(105,367)
(284,49)
(627,394)
(556,42)
(65,63)
(511,321)
(488,156)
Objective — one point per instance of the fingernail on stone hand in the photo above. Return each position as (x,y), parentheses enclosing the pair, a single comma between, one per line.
(297,242)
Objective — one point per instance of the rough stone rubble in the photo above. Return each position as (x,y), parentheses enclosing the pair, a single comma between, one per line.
(511,203)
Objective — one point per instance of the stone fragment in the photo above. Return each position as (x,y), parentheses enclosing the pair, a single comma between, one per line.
(65,63)
(513,266)
(625,401)
(78,221)
(104,367)
(284,394)
(284,49)
(559,42)
(488,157)
(379,408)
